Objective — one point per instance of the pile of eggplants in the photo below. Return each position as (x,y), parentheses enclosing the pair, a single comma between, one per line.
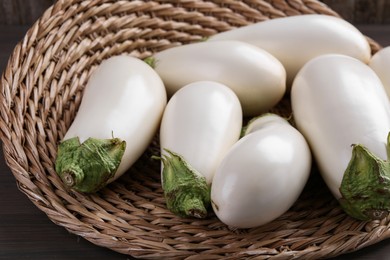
(197,96)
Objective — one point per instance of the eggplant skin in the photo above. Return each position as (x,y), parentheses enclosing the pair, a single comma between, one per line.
(340,105)
(295,40)
(124,100)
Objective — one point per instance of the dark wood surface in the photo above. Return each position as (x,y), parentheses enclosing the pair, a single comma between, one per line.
(362,11)
(27,233)
(22,12)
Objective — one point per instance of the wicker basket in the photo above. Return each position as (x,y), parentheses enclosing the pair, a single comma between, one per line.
(41,90)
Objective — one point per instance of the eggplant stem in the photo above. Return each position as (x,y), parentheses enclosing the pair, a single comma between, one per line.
(88,166)
(365,187)
(186,191)
(68,178)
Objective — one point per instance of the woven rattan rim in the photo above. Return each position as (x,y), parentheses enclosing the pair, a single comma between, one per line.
(42,87)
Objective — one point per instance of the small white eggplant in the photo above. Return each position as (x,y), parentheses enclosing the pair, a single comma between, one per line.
(262,175)
(257,77)
(380,63)
(124,98)
(200,123)
(294,40)
(340,106)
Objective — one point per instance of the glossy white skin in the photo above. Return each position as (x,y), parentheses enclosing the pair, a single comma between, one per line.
(124,98)
(294,40)
(262,121)
(262,175)
(257,77)
(338,101)
(201,122)
(380,63)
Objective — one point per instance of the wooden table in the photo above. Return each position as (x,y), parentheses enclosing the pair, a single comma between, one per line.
(27,233)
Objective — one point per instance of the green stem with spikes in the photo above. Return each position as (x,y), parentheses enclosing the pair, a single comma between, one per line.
(87,166)
(365,187)
(186,191)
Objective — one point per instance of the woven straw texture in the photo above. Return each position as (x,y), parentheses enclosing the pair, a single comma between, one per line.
(41,90)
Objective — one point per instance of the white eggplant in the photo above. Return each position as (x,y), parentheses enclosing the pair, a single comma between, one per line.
(200,123)
(294,40)
(125,99)
(340,106)
(262,175)
(380,63)
(257,78)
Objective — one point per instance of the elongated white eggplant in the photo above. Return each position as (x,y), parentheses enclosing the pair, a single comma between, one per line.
(380,63)
(201,122)
(294,40)
(262,175)
(257,77)
(118,116)
(340,106)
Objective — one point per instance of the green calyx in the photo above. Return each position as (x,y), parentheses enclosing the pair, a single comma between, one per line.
(87,166)
(365,187)
(186,192)
(151,61)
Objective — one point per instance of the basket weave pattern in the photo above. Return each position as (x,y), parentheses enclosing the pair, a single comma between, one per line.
(41,90)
